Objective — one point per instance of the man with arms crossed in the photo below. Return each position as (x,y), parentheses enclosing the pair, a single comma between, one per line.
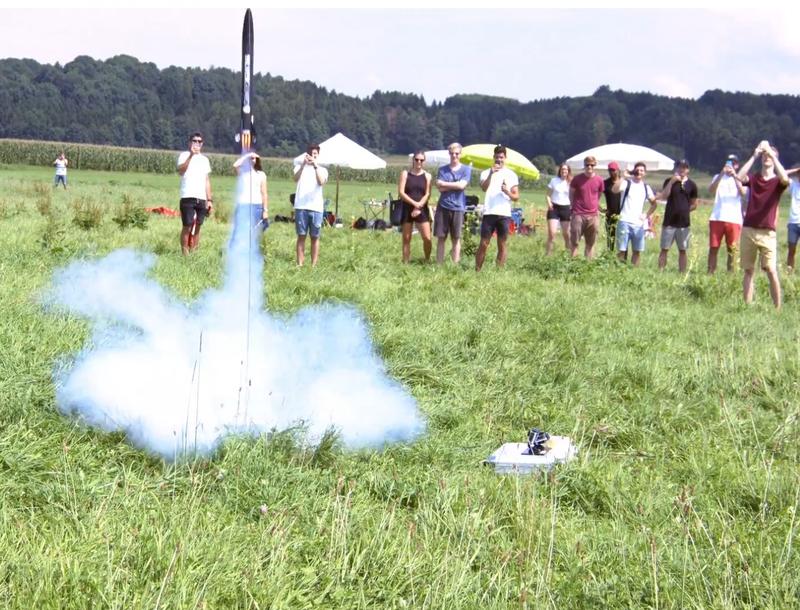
(758,227)
(196,200)
(501,186)
(584,192)
(309,204)
(726,216)
(632,224)
(681,195)
(451,181)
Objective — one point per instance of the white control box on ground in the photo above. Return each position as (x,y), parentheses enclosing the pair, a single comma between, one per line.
(514,457)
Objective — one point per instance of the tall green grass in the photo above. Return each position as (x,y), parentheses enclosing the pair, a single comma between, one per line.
(683,402)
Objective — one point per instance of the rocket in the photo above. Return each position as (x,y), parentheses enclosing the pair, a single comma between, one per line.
(247,133)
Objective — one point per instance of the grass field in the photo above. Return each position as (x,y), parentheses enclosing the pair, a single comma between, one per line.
(683,402)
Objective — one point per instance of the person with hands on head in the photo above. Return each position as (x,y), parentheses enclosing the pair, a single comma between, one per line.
(196,200)
(414,190)
(680,193)
(451,181)
(726,215)
(633,223)
(559,210)
(501,186)
(309,204)
(252,202)
(760,216)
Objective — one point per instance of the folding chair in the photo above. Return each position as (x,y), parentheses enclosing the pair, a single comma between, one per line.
(374,210)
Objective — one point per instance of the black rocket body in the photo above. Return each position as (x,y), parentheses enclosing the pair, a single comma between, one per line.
(247,134)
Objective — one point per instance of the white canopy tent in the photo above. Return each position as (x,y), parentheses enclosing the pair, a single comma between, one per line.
(434,158)
(341,151)
(624,154)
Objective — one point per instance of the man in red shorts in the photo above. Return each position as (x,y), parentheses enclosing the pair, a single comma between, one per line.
(726,216)
(584,192)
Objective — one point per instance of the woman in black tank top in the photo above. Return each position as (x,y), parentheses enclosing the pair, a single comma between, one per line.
(414,190)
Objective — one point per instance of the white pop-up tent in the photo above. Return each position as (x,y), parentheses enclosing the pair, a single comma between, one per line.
(624,154)
(341,151)
(434,158)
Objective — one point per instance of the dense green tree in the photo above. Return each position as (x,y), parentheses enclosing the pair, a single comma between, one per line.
(126,102)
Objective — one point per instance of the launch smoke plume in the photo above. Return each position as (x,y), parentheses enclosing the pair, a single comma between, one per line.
(177,379)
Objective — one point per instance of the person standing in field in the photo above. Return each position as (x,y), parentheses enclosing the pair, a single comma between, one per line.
(559,210)
(612,205)
(196,199)
(452,181)
(309,204)
(726,216)
(61,163)
(793,227)
(758,226)
(680,193)
(584,193)
(414,190)
(633,222)
(252,202)
(501,186)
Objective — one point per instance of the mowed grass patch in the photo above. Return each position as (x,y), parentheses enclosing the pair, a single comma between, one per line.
(681,399)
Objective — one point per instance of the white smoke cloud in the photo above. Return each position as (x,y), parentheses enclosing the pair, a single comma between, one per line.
(177,379)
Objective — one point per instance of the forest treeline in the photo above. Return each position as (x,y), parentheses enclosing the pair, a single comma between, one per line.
(125,102)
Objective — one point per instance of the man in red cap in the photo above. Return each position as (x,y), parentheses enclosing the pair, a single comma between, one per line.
(612,205)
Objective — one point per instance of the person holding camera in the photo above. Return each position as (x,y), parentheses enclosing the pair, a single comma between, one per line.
(501,186)
(309,204)
(726,215)
(252,202)
(680,193)
(61,163)
(760,216)
(196,200)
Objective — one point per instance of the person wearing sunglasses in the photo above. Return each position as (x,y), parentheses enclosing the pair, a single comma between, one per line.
(584,193)
(414,190)
(196,199)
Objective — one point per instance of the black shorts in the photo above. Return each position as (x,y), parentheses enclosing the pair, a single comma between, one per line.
(424,216)
(491,223)
(191,206)
(562,213)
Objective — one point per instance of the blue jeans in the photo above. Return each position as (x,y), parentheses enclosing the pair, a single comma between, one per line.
(308,221)
(630,232)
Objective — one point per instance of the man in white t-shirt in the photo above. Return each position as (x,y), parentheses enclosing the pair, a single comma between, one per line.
(793,227)
(309,205)
(61,171)
(196,200)
(726,216)
(501,186)
(633,223)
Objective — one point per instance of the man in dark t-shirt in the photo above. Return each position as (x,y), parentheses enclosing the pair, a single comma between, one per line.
(613,201)
(680,193)
(758,228)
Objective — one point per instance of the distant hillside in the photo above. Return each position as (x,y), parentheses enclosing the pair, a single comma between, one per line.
(125,102)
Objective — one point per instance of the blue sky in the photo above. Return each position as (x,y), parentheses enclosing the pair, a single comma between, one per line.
(519,53)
